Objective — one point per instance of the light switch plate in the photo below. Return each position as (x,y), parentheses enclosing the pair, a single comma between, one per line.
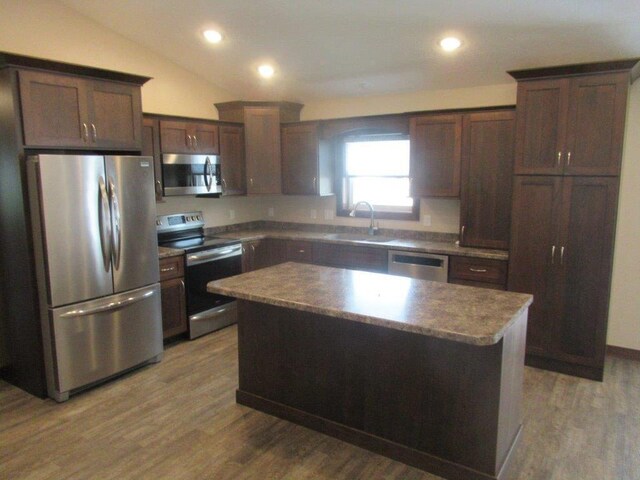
(271,211)
(426,220)
(328,214)
(314,213)
(232,214)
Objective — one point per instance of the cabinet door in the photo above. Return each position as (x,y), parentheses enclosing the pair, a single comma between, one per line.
(299,251)
(115,113)
(596,124)
(588,226)
(436,145)
(174,309)
(534,256)
(54,110)
(347,256)
(151,148)
(542,108)
(486,177)
(300,159)
(175,137)
(204,138)
(234,180)
(262,141)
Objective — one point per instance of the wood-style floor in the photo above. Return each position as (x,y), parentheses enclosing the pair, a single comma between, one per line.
(179,420)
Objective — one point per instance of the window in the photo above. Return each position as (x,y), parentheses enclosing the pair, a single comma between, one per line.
(375,168)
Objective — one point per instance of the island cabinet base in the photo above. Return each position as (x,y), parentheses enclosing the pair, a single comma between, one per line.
(450,408)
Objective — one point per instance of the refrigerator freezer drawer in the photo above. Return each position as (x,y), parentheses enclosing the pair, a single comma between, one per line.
(99,338)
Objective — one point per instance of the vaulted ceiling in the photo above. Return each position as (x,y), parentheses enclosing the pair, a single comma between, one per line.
(335,48)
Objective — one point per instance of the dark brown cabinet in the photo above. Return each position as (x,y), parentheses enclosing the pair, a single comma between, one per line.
(151,148)
(232,161)
(571,126)
(478,272)
(261,122)
(181,136)
(347,256)
(257,254)
(436,148)
(78,112)
(561,252)
(174,308)
(307,166)
(299,251)
(486,178)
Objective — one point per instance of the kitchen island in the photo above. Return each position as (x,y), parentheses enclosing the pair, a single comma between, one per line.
(427,373)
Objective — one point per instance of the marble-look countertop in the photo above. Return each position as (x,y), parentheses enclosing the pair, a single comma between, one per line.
(477,316)
(165,252)
(441,248)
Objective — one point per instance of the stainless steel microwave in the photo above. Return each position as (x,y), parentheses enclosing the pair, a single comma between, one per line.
(191,174)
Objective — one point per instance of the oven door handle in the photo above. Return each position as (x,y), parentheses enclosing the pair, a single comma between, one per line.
(218,254)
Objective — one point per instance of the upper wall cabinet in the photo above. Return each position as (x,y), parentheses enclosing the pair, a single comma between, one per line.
(487,166)
(572,125)
(188,137)
(436,145)
(61,111)
(307,167)
(262,140)
(234,180)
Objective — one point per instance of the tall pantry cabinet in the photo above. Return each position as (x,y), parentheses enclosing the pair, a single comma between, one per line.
(569,135)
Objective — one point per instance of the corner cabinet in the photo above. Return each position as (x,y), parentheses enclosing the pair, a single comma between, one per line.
(436,149)
(307,166)
(571,126)
(70,111)
(486,177)
(261,122)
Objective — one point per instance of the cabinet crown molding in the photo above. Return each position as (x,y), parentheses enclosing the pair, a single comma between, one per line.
(631,65)
(22,61)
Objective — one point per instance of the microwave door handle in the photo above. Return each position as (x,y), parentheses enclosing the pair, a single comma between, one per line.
(207,164)
(116,236)
(104,215)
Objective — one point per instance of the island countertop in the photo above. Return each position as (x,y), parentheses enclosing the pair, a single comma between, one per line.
(470,315)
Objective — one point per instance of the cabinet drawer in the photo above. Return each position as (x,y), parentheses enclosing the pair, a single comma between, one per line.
(477,270)
(171,267)
(299,251)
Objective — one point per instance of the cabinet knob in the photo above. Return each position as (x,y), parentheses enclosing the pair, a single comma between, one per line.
(189,142)
(85,133)
(315,181)
(561,254)
(94,132)
(478,270)
(195,142)
(251,182)
(158,187)
(462,233)
(300,251)
(553,254)
(167,269)
(568,158)
(559,157)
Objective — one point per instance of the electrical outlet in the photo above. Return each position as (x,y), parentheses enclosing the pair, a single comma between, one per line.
(328,214)
(232,214)
(426,220)
(271,211)
(314,213)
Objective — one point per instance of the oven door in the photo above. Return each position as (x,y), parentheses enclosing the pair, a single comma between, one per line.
(209,311)
(191,174)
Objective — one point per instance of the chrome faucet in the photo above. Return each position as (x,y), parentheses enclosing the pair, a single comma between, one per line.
(372,229)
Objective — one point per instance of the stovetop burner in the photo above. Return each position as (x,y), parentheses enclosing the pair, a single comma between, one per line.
(186,232)
(197,244)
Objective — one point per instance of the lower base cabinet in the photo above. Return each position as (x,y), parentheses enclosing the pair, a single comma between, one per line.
(174,307)
(562,253)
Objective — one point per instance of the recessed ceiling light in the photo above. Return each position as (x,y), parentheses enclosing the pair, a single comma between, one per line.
(212,36)
(266,71)
(450,44)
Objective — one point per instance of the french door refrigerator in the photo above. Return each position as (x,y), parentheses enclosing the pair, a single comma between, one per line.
(96,252)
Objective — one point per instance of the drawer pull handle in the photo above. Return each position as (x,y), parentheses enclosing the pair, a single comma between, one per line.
(300,251)
(169,269)
(478,270)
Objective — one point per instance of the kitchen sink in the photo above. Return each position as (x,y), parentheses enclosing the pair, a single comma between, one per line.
(357,237)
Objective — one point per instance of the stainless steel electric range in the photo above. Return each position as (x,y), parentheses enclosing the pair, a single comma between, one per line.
(207,258)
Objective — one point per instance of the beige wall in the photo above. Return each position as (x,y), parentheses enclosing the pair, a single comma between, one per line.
(44,28)
(624,311)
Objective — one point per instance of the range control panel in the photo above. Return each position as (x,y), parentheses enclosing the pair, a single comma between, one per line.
(179,221)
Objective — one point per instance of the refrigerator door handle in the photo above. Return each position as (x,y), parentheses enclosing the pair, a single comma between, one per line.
(105,224)
(116,233)
(112,305)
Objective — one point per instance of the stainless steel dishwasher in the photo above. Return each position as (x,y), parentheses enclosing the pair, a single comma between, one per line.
(425,266)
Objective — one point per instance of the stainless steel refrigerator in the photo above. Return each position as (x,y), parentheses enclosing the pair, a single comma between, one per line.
(97,268)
